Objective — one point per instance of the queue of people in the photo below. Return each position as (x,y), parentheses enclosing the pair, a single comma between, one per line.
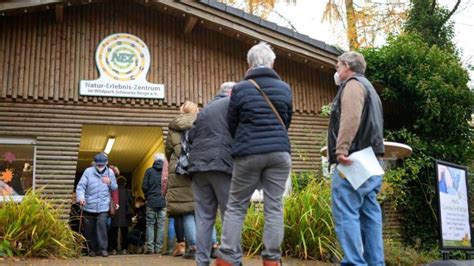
(215,158)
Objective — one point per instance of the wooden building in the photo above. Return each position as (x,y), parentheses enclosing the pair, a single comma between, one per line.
(47,47)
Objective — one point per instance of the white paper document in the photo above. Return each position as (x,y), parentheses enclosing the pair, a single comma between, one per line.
(364,165)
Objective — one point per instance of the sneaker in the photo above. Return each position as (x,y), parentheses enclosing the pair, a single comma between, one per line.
(114,252)
(91,254)
(104,253)
(190,254)
(124,252)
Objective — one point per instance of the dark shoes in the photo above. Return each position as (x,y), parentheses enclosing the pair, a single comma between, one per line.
(190,254)
(103,253)
(214,252)
(140,250)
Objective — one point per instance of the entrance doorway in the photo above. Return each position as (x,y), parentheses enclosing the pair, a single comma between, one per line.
(132,152)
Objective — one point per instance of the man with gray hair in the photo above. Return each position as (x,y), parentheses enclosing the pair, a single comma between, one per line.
(356,123)
(210,163)
(258,118)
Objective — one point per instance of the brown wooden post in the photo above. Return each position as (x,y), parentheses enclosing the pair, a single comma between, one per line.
(59,13)
(189,25)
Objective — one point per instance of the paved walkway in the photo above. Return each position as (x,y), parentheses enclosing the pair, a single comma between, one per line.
(143,260)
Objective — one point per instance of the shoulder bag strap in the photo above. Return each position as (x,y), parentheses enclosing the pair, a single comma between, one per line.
(268,102)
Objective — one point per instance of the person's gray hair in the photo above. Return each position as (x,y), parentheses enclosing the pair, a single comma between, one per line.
(354,60)
(226,87)
(261,55)
(159,156)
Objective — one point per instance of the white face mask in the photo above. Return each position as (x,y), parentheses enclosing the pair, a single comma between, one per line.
(337,79)
(100,168)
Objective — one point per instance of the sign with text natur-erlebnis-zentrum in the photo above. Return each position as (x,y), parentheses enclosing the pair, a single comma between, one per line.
(123,61)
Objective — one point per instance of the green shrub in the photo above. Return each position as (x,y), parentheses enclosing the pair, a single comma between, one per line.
(431,105)
(309,228)
(397,255)
(33,228)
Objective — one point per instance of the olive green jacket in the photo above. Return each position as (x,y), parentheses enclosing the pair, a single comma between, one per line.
(179,196)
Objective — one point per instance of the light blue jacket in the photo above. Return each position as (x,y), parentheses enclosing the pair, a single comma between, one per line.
(95,192)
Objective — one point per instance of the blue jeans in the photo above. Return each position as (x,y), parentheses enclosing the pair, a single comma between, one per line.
(189,229)
(214,235)
(171,234)
(155,225)
(358,219)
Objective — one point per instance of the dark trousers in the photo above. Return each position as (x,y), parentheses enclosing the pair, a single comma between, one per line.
(95,226)
(179,228)
(136,237)
(114,235)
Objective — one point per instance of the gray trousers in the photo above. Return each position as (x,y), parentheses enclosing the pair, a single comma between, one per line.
(211,189)
(95,228)
(271,171)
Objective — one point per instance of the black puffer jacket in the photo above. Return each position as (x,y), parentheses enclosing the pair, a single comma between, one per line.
(252,123)
(210,139)
(152,186)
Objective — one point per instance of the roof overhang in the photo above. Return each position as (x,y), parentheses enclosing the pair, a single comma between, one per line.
(252,29)
(219,17)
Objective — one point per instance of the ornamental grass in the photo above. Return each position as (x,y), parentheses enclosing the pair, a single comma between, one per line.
(33,228)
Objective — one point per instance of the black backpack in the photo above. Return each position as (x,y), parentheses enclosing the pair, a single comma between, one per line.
(183,159)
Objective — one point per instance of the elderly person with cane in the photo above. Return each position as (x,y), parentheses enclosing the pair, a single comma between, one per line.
(93,192)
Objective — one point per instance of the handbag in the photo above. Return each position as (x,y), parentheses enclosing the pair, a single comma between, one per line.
(268,102)
(182,163)
(112,209)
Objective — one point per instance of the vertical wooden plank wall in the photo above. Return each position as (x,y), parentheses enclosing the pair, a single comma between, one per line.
(42,62)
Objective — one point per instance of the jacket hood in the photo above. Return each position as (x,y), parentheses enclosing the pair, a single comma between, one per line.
(158,165)
(182,122)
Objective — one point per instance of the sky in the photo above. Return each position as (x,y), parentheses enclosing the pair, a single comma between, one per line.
(306,17)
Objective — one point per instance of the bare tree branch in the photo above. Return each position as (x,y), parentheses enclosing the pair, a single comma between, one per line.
(453,10)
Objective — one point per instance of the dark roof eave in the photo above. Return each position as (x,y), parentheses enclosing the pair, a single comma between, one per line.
(311,48)
(272,26)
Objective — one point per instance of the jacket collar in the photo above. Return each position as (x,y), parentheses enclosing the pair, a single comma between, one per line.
(258,72)
(96,173)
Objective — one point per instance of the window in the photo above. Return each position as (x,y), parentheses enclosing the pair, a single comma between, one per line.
(17,167)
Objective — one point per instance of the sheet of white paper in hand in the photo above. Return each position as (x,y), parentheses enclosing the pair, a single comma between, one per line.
(364,165)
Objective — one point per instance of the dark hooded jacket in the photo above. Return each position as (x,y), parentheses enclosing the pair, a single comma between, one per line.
(152,186)
(211,143)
